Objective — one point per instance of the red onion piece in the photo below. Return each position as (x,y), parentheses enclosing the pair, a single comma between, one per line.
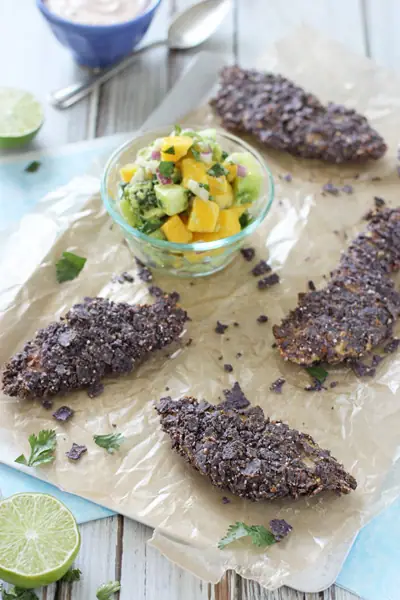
(241,171)
(163,180)
(156,155)
(206,156)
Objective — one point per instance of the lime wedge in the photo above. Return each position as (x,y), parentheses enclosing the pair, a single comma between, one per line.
(21,117)
(39,540)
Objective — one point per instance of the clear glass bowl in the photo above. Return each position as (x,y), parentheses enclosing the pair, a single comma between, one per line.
(196,259)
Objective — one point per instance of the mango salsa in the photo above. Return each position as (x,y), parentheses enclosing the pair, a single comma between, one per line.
(225,199)
(176,231)
(218,185)
(175,147)
(193,169)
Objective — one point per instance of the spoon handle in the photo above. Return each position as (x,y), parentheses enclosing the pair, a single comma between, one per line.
(66,97)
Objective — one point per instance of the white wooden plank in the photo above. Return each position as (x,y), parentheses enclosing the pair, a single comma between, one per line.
(148,575)
(97,559)
(33,59)
(128,98)
(383,25)
(248,590)
(261,23)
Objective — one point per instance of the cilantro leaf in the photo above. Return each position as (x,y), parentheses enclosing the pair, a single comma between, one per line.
(318,373)
(110,441)
(69,266)
(107,590)
(170,150)
(72,575)
(224,155)
(177,129)
(166,168)
(245,219)
(42,446)
(217,170)
(196,154)
(205,186)
(17,593)
(33,166)
(260,536)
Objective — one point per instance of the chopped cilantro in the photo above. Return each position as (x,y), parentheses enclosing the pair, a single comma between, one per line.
(17,593)
(260,536)
(170,150)
(196,153)
(33,166)
(205,186)
(245,219)
(69,266)
(224,155)
(318,373)
(42,446)
(217,170)
(110,441)
(177,129)
(166,168)
(107,590)
(72,575)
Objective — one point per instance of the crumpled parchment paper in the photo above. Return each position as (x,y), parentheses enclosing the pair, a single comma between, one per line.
(359,420)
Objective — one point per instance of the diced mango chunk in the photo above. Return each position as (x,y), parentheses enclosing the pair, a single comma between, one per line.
(193,169)
(232,171)
(127,172)
(176,231)
(228,222)
(202,236)
(175,147)
(226,199)
(218,185)
(203,216)
(240,209)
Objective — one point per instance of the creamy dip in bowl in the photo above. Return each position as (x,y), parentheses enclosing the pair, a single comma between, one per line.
(99,33)
(98,12)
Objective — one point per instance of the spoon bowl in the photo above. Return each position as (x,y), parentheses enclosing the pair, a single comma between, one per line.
(188,29)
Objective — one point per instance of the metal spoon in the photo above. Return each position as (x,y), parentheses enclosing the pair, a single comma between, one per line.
(189,29)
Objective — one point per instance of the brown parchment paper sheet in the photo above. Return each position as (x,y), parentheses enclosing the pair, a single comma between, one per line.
(359,420)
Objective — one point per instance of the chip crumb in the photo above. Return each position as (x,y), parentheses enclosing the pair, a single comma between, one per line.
(268,281)
(228,368)
(329,188)
(144,272)
(64,413)
(225,500)
(392,346)
(287,177)
(76,452)
(220,328)
(277,385)
(347,189)
(236,324)
(155,291)
(189,342)
(248,253)
(280,528)
(261,268)
(262,319)
(239,355)
(311,286)
(333,384)
(379,202)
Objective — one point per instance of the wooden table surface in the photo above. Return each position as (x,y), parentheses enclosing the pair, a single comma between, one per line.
(115,548)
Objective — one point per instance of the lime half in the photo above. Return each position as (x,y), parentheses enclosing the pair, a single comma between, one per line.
(21,117)
(39,540)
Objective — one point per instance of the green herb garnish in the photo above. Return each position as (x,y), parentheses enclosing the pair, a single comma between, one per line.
(245,219)
(177,129)
(107,590)
(224,155)
(217,170)
(42,446)
(33,166)
(69,266)
(196,154)
(110,441)
(166,168)
(17,593)
(72,575)
(260,536)
(170,150)
(205,186)
(318,373)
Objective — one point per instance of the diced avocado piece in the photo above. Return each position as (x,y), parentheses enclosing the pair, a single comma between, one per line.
(208,134)
(246,189)
(153,213)
(157,235)
(128,213)
(151,225)
(216,151)
(172,197)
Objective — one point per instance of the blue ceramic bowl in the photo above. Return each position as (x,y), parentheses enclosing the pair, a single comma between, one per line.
(99,46)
